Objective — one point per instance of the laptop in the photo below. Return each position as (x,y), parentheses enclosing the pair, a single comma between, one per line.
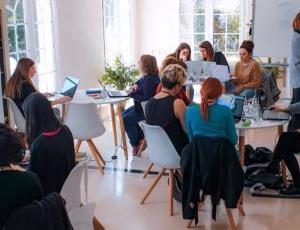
(274,115)
(195,71)
(114,93)
(68,89)
(238,107)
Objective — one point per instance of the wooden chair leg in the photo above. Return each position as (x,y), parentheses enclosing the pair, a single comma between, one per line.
(78,144)
(142,147)
(148,170)
(97,224)
(171,186)
(157,178)
(96,156)
(98,152)
(240,205)
(230,219)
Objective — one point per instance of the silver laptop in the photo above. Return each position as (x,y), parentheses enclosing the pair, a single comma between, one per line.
(114,93)
(68,89)
(273,115)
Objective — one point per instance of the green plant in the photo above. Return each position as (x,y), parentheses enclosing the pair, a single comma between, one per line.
(118,75)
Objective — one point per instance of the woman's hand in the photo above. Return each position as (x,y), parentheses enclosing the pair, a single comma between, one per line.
(134,87)
(61,100)
(17,168)
(239,89)
(48,94)
(279,108)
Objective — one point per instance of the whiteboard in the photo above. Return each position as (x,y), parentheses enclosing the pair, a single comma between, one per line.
(272,26)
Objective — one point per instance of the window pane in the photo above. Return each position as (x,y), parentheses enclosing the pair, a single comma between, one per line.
(219,42)
(199,7)
(9,15)
(20,12)
(220,6)
(11,39)
(219,23)
(233,7)
(21,39)
(233,24)
(232,43)
(198,38)
(199,24)
(22,55)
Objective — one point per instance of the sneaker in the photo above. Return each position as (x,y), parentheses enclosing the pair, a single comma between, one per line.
(135,150)
(291,190)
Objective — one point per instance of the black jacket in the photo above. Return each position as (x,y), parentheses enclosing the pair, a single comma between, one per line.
(48,214)
(210,165)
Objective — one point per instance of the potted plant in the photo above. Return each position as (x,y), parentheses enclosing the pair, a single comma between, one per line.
(118,75)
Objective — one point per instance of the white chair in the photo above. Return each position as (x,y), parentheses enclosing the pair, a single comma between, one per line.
(82,217)
(143,144)
(85,123)
(18,116)
(162,153)
(72,188)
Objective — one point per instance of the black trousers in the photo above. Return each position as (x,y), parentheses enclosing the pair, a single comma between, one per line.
(288,144)
(295,119)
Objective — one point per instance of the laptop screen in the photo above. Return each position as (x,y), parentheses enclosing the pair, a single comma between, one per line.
(237,110)
(69,86)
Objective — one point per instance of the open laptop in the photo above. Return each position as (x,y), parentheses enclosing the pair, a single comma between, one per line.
(237,110)
(114,93)
(68,89)
(274,115)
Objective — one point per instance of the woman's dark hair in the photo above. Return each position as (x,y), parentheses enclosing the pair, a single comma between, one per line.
(247,45)
(209,50)
(148,64)
(171,60)
(183,46)
(11,149)
(39,116)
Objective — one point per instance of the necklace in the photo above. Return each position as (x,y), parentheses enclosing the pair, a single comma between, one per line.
(163,91)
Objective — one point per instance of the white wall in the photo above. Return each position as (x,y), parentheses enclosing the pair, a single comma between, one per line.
(157,27)
(80,40)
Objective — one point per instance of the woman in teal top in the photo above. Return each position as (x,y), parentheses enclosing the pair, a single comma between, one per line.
(210,119)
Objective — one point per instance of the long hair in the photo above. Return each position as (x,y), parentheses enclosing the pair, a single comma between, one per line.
(296,22)
(171,60)
(39,116)
(210,90)
(183,46)
(209,50)
(148,64)
(21,74)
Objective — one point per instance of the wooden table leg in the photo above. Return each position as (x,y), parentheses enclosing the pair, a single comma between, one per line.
(122,131)
(282,163)
(113,121)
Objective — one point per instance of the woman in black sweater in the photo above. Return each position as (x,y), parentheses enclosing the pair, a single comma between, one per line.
(51,143)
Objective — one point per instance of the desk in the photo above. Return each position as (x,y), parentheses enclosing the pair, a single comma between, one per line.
(80,96)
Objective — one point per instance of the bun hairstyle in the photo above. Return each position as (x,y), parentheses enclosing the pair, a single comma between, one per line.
(296,22)
(172,75)
(11,148)
(210,90)
(247,45)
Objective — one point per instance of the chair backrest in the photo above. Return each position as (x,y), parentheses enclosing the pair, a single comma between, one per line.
(82,217)
(161,151)
(18,116)
(72,188)
(144,103)
(84,120)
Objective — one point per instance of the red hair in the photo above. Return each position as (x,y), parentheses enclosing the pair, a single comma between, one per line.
(210,90)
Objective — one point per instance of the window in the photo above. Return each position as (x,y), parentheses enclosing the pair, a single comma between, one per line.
(117,30)
(30,34)
(217,21)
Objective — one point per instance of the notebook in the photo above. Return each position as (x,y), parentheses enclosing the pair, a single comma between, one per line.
(114,93)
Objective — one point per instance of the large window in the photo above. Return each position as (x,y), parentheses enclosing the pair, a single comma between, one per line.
(217,21)
(30,34)
(117,30)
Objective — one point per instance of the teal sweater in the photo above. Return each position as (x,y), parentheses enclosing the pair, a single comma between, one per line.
(220,122)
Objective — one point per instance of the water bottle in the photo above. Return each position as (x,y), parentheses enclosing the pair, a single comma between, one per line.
(256,109)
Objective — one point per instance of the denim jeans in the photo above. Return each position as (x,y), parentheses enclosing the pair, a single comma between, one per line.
(230,88)
(132,128)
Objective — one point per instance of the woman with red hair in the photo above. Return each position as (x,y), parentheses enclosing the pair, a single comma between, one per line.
(209,118)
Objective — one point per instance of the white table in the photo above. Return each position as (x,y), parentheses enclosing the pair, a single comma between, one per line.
(81,97)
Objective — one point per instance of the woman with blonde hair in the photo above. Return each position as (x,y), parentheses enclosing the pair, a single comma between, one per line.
(209,118)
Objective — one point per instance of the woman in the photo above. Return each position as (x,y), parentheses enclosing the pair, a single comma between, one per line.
(287,145)
(51,143)
(143,90)
(166,110)
(294,70)
(18,187)
(182,52)
(20,85)
(210,119)
(208,54)
(247,73)
(171,60)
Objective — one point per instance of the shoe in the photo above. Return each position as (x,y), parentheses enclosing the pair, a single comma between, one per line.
(291,190)
(135,150)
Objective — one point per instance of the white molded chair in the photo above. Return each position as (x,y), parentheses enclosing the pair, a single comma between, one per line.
(162,153)
(72,188)
(18,116)
(143,145)
(82,217)
(85,123)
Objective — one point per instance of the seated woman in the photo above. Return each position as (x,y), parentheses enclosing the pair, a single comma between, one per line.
(287,146)
(18,187)
(20,85)
(171,60)
(51,143)
(209,118)
(182,52)
(247,73)
(143,90)
(208,54)
(166,110)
